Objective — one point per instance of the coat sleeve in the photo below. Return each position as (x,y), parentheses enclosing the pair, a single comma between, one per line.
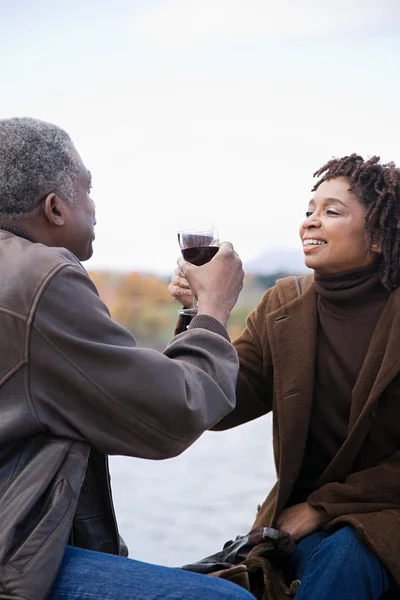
(369,490)
(254,389)
(88,380)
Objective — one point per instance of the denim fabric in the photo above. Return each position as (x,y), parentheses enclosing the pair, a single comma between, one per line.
(337,566)
(87,575)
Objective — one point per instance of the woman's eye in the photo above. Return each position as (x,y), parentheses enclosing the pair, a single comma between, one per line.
(308,213)
(332,212)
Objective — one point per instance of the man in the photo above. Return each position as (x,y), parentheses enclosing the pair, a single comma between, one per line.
(74,387)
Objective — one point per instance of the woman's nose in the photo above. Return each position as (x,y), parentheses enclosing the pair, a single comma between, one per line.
(311,221)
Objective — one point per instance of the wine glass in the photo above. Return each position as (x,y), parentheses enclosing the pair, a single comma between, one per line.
(197,247)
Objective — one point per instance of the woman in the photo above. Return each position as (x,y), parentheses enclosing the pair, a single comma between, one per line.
(325,358)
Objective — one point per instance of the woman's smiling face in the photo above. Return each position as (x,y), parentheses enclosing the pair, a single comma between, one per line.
(333,233)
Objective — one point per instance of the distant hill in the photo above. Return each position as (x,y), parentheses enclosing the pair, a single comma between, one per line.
(285,260)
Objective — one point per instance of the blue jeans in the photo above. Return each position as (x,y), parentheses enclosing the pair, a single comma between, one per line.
(337,565)
(87,575)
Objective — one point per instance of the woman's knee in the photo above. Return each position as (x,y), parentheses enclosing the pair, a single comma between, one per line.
(342,565)
(344,546)
(346,535)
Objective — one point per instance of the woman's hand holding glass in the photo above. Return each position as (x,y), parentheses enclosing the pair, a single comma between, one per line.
(180,290)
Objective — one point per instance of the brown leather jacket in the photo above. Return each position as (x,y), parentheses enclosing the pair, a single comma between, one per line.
(74,388)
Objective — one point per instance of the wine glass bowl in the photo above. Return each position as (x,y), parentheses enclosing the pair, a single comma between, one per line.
(198,247)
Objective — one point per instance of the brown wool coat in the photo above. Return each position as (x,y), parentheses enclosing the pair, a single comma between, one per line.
(361,486)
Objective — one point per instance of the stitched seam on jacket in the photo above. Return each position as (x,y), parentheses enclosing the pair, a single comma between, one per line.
(7,311)
(12,372)
(107,395)
(47,541)
(31,315)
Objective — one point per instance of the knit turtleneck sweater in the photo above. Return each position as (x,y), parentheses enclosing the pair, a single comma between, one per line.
(349,307)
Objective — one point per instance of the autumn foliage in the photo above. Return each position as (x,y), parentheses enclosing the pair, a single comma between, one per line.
(141,303)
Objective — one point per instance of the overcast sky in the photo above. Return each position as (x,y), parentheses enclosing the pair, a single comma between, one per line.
(221,107)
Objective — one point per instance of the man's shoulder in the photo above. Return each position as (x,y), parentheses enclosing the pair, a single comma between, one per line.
(36,261)
(25,270)
(47,258)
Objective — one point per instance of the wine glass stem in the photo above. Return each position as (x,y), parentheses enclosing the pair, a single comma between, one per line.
(195,303)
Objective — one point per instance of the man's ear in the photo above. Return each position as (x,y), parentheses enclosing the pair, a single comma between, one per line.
(54,210)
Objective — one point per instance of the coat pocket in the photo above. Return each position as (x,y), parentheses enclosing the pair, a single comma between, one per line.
(53,514)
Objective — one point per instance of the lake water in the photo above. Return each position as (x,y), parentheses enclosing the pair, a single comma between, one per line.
(179,510)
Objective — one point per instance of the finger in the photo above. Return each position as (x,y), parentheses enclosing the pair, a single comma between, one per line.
(226,249)
(177,270)
(178,273)
(175,280)
(226,246)
(223,247)
(184,266)
(180,281)
(177,291)
(183,282)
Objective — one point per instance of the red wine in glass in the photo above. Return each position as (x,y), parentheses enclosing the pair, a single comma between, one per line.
(197,248)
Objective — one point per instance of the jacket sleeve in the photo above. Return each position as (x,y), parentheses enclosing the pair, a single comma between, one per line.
(254,389)
(369,490)
(88,380)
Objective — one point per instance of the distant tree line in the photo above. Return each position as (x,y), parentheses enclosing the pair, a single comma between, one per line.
(141,303)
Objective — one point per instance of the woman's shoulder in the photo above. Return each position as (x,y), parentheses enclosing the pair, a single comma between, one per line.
(284,291)
(290,288)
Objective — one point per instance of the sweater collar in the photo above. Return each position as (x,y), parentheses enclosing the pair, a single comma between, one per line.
(17,231)
(351,290)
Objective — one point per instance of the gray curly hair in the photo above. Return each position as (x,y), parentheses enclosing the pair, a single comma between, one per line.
(36,158)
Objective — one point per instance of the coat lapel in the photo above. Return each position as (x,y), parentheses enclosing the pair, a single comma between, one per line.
(381,365)
(292,331)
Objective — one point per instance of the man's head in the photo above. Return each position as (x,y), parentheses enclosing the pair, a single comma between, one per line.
(44,185)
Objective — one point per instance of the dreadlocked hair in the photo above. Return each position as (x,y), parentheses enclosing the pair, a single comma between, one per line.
(377,186)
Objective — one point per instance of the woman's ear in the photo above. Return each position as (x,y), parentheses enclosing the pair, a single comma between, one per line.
(54,210)
(376,245)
